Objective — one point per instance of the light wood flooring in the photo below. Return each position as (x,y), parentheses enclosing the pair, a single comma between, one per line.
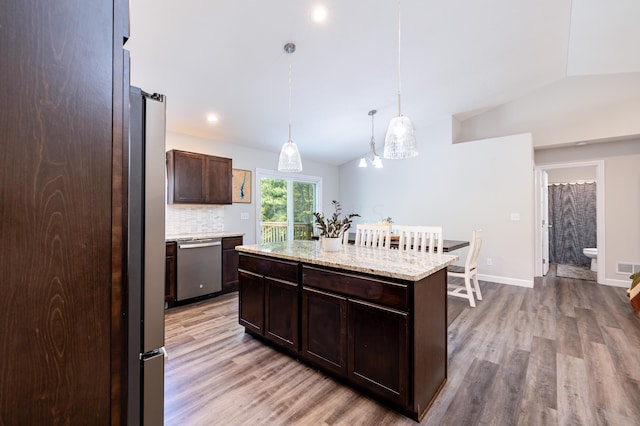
(566,352)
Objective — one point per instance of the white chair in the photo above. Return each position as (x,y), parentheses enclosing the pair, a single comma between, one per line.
(425,239)
(468,272)
(369,235)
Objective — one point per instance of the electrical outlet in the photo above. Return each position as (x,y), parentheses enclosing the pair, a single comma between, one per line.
(489,261)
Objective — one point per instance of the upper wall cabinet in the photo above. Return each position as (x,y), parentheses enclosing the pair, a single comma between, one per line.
(197,178)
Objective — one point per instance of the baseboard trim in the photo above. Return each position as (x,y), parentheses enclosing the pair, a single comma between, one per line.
(616,283)
(506,280)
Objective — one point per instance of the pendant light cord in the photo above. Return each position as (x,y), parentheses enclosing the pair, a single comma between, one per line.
(289,99)
(399,44)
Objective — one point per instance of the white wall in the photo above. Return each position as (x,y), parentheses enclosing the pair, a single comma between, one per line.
(571,110)
(622,197)
(461,187)
(572,174)
(250,159)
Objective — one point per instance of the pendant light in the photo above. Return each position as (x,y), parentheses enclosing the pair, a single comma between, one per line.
(372,155)
(400,141)
(289,155)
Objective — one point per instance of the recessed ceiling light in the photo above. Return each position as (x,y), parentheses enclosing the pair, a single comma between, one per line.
(319,14)
(212,118)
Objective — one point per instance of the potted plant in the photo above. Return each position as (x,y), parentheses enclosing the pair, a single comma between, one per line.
(332,229)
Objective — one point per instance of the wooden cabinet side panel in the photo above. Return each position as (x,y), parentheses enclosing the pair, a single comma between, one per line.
(251,301)
(324,330)
(430,338)
(56,155)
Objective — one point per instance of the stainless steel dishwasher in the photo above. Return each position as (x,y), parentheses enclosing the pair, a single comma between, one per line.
(199,264)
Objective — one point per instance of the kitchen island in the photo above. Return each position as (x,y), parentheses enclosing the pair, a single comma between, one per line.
(375,319)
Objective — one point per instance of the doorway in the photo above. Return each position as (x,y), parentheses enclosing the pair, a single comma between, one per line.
(543,223)
(286,204)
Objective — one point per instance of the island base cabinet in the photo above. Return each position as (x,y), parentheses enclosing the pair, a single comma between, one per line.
(251,301)
(281,312)
(377,348)
(324,330)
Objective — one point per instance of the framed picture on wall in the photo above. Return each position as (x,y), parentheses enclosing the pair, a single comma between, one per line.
(241,186)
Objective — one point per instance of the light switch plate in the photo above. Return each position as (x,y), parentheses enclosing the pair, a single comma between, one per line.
(515,216)
(244,216)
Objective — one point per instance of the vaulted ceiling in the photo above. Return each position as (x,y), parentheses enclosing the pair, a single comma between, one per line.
(459,58)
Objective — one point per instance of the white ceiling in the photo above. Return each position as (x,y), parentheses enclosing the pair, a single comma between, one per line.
(459,57)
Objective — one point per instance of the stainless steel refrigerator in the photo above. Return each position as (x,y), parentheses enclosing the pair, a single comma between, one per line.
(145,264)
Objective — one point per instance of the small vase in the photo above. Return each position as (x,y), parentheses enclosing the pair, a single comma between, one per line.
(331,244)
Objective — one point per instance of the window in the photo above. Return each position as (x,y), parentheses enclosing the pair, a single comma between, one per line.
(287,203)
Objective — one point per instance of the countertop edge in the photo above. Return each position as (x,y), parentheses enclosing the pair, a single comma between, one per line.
(441,262)
(170,238)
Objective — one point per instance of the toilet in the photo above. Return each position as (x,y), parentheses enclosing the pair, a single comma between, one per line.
(592,253)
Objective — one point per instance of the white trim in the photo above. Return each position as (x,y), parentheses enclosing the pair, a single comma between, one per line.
(506,280)
(290,178)
(600,214)
(616,283)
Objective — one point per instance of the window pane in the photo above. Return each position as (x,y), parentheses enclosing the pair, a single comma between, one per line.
(304,201)
(273,211)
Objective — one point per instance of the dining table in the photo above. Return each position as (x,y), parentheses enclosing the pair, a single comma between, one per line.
(447,245)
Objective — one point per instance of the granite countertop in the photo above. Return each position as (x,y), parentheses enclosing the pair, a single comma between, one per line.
(183,237)
(386,263)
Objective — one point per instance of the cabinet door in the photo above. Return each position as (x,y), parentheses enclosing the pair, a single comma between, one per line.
(324,329)
(230,260)
(186,175)
(281,312)
(251,301)
(170,281)
(378,356)
(218,180)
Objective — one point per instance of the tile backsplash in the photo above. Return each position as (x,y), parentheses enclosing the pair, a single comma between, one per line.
(193,219)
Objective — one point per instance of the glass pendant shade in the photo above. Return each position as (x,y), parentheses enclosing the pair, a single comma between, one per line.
(400,141)
(377,162)
(289,158)
(363,162)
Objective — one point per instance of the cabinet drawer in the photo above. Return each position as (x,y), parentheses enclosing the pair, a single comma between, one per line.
(171,248)
(272,268)
(369,289)
(231,243)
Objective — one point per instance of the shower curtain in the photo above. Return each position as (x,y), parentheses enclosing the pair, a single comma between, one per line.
(572,214)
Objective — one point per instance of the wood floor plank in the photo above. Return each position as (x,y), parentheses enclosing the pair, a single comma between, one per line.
(606,386)
(470,400)
(507,390)
(540,390)
(575,405)
(569,342)
(564,352)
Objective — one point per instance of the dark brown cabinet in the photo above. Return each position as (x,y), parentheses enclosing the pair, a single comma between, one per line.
(194,178)
(230,263)
(63,138)
(218,180)
(170,275)
(378,356)
(268,299)
(385,336)
(281,312)
(251,301)
(324,329)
